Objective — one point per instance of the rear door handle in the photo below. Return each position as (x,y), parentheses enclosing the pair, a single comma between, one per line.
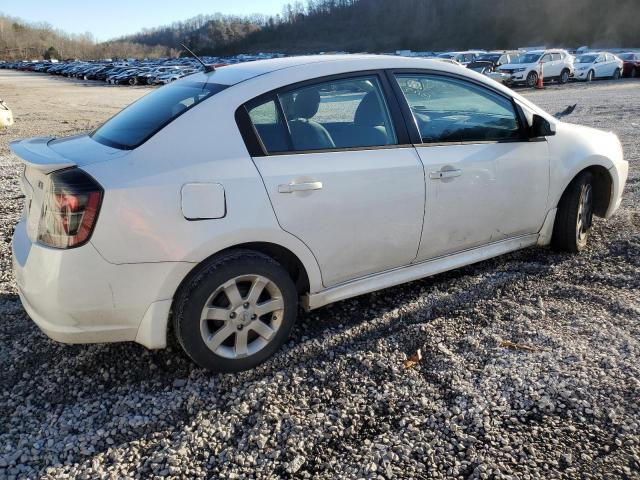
(440,174)
(299,187)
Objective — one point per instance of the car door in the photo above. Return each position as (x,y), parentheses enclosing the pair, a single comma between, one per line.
(611,64)
(600,66)
(341,174)
(485,181)
(547,65)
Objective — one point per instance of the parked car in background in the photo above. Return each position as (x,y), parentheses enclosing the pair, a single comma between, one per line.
(631,65)
(555,64)
(592,65)
(174,75)
(463,58)
(450,61)
(148,78)
(6,116)
(121,236)
(488,63)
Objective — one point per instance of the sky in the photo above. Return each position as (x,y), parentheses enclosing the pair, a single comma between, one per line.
(107,19)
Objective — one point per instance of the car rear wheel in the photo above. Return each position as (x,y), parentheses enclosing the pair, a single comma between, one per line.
(564,76)
(634,72)
(574,217)
(616,74)
(236,311)
(532,79)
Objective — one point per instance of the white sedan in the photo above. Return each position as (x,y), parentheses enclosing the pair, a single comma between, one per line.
(222,201)
(590,66)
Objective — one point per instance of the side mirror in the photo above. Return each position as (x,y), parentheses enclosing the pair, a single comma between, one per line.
(541,127)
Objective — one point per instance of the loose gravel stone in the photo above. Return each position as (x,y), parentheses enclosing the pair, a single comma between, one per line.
(337,401)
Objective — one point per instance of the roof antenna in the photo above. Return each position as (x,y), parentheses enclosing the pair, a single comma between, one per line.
(207,68)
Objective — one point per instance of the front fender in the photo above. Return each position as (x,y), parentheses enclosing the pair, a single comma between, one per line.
(575,148)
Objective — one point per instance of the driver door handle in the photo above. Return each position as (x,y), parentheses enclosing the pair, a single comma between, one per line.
(440,174)
(299,187)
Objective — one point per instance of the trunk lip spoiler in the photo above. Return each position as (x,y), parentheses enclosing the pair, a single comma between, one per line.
(36,153)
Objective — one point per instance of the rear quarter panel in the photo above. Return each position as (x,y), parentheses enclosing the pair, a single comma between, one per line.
(141,219)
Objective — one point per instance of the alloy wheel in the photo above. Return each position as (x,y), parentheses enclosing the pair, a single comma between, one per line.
(242,316)
(585,213)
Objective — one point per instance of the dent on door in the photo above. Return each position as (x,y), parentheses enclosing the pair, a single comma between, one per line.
(482,193)
(359,212)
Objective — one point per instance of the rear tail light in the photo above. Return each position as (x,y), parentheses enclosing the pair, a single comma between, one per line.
(70,209)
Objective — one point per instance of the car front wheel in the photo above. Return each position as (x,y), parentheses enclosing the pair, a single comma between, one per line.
(532,79)
(236,311)
(573,221)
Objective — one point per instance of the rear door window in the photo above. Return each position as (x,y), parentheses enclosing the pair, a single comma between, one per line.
(338,114)
(269,125)
(141,120)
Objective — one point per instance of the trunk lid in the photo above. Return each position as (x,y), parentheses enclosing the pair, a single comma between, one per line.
(43,155)
(47,154)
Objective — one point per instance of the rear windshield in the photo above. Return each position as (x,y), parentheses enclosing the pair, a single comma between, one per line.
(141,120)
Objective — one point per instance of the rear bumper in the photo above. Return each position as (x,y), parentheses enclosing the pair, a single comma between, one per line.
(75,296)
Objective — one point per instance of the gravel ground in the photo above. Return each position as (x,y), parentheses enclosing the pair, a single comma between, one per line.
(338,402)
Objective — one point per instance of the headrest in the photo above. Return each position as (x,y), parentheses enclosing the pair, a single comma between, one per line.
(307,103)
(369,112)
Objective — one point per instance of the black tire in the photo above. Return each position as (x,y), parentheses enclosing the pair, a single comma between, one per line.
(572,225)
(616,74)
(564,76)
(132,81)
(532,79)
(590,76)
(197,293)
(634,72)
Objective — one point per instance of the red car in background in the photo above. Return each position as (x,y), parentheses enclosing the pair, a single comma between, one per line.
(631,66)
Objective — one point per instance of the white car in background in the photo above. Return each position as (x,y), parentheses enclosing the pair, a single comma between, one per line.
(552,64)
(592,65)
(173,75)
(221,201)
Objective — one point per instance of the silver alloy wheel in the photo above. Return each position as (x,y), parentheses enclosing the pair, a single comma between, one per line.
(242,316)
(584,214)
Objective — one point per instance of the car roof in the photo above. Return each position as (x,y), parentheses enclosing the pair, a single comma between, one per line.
(239,72)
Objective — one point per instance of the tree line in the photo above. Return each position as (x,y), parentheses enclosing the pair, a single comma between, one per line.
(353,26)
(29,41)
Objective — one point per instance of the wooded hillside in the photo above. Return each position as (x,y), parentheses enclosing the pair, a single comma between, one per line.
(383,25)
